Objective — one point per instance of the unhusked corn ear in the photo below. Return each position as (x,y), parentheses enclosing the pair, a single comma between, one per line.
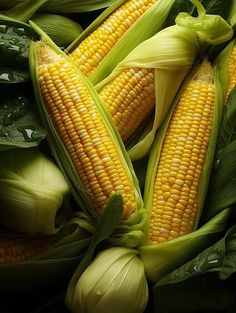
(130,98)
(19,249)
(231,71)
(174,204)
(91,51)
(83,131)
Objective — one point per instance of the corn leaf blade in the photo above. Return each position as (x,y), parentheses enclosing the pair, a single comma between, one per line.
(161,259)
(65,6)
(24,10)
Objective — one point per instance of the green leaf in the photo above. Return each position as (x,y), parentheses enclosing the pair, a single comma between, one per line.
(24,10)
(221,192)
(65,6)
(161,259)
(228,127)
(13,75)
(218,7)
(229,266)
(190,287)
(14,49)
(19,124)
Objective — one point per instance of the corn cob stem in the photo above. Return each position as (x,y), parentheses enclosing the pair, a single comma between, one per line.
(83,131)
(96,46)
(175,194)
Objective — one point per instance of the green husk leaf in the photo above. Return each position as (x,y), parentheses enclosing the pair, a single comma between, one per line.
(62,30)
(146,26)
(19,123)
(105,227)
(58,148)
(211,29)
(24,10)
(65,6)
(161,259)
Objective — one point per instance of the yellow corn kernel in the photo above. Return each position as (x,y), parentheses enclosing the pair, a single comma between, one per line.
(232,71)
(130,98)
(19,249)
(183,166)
(86,137)
(92,50)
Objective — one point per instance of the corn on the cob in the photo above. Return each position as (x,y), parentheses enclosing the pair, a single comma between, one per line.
(84,133)
(176,183)
(91,51)
(231,71)
(130,98)
(19,249)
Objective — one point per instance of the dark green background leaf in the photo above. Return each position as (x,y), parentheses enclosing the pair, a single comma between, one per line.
(19,124)
(222,187)
(196,285)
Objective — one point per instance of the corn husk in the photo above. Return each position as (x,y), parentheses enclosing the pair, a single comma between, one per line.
(65,6)
(58,148)
(23,11)
(146,26)
(114,281)
(32,191)
(156,257)
(207,167)
(62,30)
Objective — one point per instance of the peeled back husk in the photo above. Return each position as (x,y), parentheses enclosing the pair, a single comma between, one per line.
(32,191)
(171,52)
(114,282)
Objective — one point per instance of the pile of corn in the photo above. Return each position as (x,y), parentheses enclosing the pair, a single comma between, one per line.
(160,101)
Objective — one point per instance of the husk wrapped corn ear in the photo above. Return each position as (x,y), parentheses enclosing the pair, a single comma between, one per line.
(98,162)
(174,194)
(178,174)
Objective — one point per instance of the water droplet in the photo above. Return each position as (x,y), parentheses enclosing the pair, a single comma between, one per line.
(14,48)
(217,163)
(7,119)
(28,133)
(19,30)
(7,77)
(99,292)
(3,29)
